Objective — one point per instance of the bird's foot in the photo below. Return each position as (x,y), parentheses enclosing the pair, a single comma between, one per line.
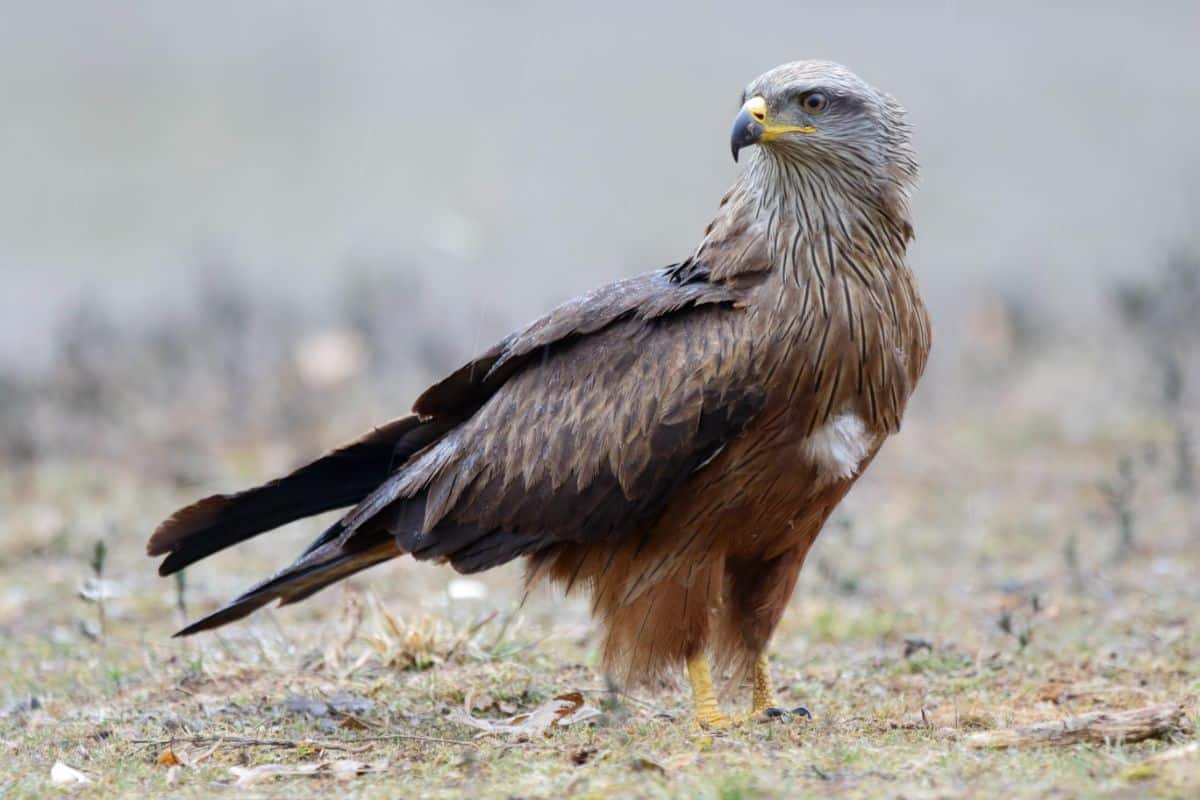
(771,713)
(708,712)
(764,706)
(707,720)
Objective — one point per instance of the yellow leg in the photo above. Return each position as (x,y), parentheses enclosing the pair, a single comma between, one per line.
(704,697)
(764,692)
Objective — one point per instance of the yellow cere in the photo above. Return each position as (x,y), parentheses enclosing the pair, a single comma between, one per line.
(757,108)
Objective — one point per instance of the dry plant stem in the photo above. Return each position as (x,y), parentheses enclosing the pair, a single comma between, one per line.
(349,744)
(1096,728)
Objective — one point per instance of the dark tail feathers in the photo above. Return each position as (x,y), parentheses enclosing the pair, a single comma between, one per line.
(311,573)
(339,479)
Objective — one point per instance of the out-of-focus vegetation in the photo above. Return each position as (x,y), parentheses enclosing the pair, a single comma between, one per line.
(163,395)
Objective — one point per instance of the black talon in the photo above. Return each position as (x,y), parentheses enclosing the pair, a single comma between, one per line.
(801,711)
(774,712)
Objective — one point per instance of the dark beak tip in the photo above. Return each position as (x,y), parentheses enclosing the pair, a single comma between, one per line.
(746,131)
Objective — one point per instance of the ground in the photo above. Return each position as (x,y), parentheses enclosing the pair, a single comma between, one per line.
(1021,552)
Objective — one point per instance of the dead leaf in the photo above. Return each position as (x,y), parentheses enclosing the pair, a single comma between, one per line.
(679,761)
(485,703)
(248,776)
(62,775)
(1053,692)
(565,709)
(640,764)
(346,768)
(581,756)
(342,769)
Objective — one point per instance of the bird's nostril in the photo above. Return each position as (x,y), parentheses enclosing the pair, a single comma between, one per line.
(758,114)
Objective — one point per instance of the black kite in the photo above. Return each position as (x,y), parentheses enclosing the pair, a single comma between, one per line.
(672,443)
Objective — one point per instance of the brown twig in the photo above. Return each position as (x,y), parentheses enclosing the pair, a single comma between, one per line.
(416,737)
(1099,727)
(348,745)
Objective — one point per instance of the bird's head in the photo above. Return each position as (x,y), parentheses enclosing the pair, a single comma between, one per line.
(820,116)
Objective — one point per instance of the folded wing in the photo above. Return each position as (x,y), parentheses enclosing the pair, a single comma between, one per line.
(578,428)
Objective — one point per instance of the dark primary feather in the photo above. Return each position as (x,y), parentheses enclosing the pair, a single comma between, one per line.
(570,430)
(300,580)
(339,479)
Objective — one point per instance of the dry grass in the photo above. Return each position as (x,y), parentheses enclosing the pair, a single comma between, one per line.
(977,578)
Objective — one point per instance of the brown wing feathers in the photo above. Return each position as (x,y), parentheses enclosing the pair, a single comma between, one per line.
(572,430)
(584,444)
(646,297)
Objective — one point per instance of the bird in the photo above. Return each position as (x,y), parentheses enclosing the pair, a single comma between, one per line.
(670,444)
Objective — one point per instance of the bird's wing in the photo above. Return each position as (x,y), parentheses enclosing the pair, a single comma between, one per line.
(593,416)
(348,474)
(576,428)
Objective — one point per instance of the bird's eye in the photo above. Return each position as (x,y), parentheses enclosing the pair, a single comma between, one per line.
(813,102)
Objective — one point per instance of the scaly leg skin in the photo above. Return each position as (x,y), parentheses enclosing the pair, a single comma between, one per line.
(764,692)
(704,697)
(765,704)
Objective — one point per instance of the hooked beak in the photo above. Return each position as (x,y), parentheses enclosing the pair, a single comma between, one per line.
(748,125)
(751,126)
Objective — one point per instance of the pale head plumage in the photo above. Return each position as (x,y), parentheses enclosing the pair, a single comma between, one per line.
(830,166)
(858,141)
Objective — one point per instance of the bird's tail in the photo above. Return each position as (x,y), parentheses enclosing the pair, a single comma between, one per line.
(336,480)
(310,573)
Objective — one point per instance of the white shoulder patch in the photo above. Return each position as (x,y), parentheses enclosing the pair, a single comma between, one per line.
(840,445)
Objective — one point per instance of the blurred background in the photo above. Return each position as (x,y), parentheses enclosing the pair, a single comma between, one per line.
(234,234)
(504,158)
